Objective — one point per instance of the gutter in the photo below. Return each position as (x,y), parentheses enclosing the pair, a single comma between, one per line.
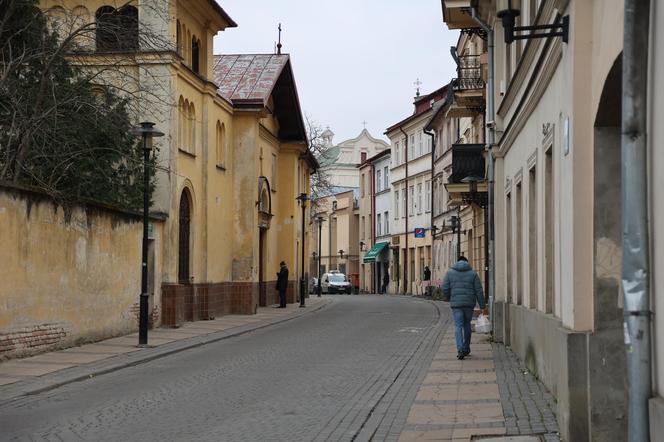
(405,211)
(636,242)
(433,150)
(490,136)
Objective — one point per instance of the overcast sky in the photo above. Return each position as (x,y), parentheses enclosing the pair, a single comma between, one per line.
(353,60)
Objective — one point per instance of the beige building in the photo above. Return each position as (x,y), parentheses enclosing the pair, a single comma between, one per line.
(560,293)
(410,181)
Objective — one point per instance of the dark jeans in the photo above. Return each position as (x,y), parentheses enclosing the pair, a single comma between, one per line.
(282,298)
(462,330)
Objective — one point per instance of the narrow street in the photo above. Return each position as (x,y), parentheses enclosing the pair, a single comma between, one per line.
(351,369)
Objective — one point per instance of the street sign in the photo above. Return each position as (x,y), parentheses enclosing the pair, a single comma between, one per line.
(419,232)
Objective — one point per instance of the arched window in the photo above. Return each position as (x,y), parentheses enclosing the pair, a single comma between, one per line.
(195,54)
(192,128)
(184,235)
(221,144)
(182,126)
(117,29)
(187,57)
(178,37)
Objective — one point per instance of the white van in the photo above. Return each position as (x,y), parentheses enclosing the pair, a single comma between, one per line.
(335,282)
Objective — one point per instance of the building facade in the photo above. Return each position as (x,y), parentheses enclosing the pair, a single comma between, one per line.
(410,181)
(375,219)
(233,159)
(562,283)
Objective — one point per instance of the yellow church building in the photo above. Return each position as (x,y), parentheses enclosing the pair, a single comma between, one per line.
(233,159)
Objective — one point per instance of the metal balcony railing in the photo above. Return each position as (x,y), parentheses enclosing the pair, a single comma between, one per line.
(467,161)
(469,74)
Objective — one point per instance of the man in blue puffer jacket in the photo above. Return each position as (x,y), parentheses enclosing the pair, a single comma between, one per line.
(463,288)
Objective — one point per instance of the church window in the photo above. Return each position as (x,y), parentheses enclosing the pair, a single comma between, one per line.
(116,29)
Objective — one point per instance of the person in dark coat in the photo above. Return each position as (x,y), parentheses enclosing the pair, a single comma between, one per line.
(282,284)
(463,287)
(386,281)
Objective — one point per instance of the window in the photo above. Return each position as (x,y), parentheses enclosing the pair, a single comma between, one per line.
(195,54)
(397,154)
(386,217)
(427,203)
(411,208)
(378,225)
(362,186)
(396,204)
(420,145)
(403,152)
(275,169)
(403,202)
(192,128)
(362,226)
(386,180)
(221,146)
(411,152)
(419,198)
(378,181)
(117,29)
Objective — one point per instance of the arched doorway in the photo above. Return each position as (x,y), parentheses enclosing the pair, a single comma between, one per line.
(264,217)
(184,238)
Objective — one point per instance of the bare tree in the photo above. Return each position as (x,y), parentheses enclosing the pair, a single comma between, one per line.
(321,183)
(69,93)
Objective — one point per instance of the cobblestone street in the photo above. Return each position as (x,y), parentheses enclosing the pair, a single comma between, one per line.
(360,368)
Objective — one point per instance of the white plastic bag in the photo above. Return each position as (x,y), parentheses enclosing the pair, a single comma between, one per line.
(483,325)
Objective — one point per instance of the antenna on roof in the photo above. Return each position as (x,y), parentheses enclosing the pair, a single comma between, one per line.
(279,44)
(417,84)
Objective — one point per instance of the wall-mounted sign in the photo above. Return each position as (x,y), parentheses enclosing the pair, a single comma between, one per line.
(419,232)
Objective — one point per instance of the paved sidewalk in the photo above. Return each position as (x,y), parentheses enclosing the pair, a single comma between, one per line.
(486,396)
(46,371)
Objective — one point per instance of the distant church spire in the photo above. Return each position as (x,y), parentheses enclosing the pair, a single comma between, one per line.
(279,44)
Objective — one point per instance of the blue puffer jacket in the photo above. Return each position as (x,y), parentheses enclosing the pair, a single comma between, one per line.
(463,286)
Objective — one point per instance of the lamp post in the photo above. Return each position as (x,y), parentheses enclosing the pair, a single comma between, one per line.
(320,229)
(341,254)
(147,131)
(455,221)
(302,199)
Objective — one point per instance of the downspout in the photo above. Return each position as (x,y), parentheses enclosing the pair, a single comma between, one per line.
(373,223)
(490,128)
(405,211)
(636,248)
(433,149)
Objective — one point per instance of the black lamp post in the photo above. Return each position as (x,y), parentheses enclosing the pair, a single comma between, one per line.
(147,131)
(302,199)
(508,10)
(320,229)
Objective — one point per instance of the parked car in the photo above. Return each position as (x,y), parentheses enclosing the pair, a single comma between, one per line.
(336,282)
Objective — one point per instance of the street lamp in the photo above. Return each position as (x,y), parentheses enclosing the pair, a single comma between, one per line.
(508,10)
(320,229)
(147,131)
(302,199)
(341,254)
(455,222)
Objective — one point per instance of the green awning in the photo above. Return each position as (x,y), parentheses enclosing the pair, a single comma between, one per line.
(374,251)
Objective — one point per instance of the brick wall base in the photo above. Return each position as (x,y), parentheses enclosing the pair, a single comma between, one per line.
(32,339)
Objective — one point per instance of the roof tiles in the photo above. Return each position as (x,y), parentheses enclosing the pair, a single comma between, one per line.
(249,78)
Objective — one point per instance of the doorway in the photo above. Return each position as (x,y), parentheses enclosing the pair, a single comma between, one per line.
(184,238)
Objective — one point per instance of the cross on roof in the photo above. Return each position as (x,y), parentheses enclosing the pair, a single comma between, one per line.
(417,84)
(364,123)
(279,44)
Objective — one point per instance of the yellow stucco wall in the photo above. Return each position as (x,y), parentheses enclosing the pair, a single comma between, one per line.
(78,269)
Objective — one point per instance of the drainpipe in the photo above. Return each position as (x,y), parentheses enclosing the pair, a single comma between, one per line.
(636,249)
(372,171)
(490,128)
(433,149)
(405,255)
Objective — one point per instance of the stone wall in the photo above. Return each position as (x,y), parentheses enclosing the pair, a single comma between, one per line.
(70,273)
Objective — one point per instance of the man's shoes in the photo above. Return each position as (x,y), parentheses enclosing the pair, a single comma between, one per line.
(466,353)
(461,355)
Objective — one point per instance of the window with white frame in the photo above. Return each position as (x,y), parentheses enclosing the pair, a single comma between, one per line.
(378,181)
(419,198)
(386,178)
(397,154)
(411,207)
(403,202)
(396,204)
(427,195)
(420,145)
(411,151)
(386,218)
(378,225)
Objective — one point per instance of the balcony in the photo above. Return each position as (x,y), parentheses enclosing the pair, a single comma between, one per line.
(467,91)
(457,15)
(467,183)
